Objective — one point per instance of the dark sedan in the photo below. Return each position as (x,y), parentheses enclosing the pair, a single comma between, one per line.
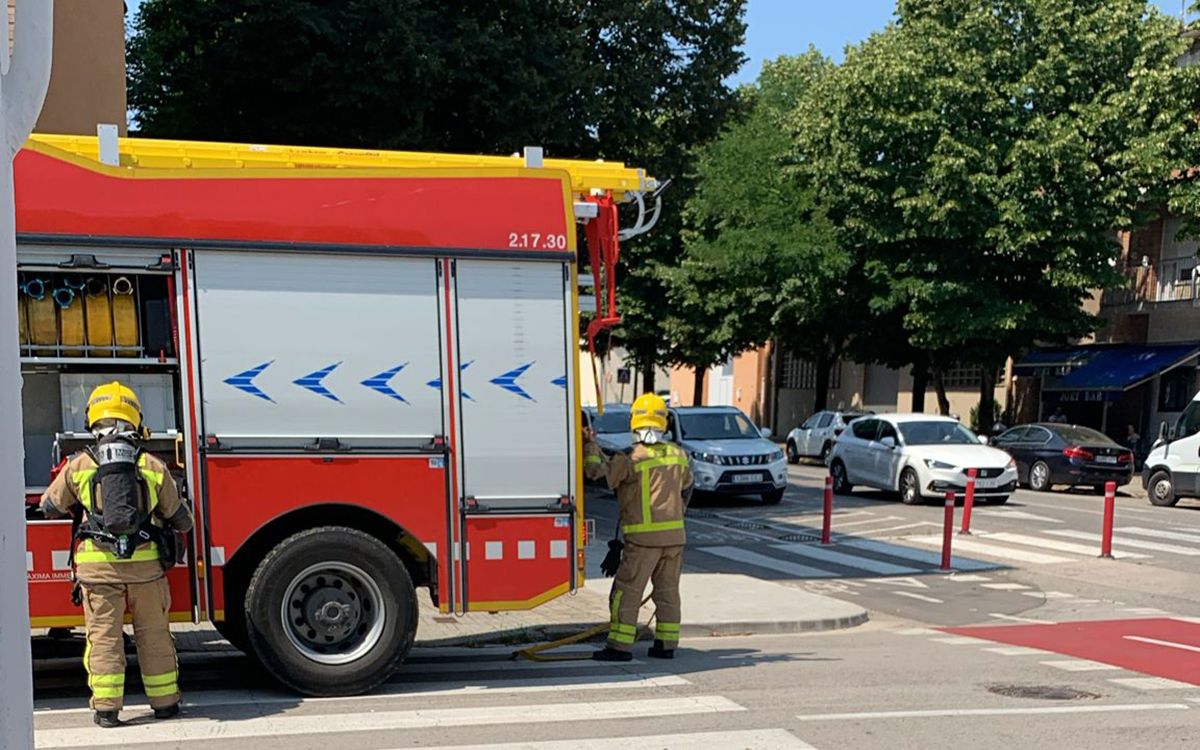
(1056,454)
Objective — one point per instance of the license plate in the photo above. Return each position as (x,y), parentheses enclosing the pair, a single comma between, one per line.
(987,484)
(746,478)
(1106,459)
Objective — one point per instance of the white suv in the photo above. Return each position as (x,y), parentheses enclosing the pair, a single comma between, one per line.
(729,455)
(816,436)
(920,456)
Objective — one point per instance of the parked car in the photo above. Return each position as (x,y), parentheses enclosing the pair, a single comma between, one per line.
(611,427)
(816,436)
(729,455)
(920,456)
(1052,453)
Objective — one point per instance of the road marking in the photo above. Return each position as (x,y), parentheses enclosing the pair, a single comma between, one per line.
(1048,594)
(750,739)
(920,597)
(426,718)
(958,640)
(905,526)
(1142,531)
(1055,544)
(919,631)
(1144,611)
(825,554)
(1156,642)
(1008,553)
(1015,618)
(1004,586)
(1017,651)
(908,581)
(404,690)
(1151,683)
(1079,665)
(870,520)
(969,578)
(1124,542)
(771,563)
(917,555)
(957,712)
(1023,516)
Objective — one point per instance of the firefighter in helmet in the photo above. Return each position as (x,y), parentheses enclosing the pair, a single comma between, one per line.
(127,511)
(653,484)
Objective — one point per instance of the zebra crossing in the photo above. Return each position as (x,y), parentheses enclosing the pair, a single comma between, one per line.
(441,700)
(862,557)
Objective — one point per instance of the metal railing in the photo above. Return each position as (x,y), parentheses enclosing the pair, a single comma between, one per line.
(1170,281)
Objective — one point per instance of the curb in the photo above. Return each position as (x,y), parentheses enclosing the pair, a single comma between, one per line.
(543,633)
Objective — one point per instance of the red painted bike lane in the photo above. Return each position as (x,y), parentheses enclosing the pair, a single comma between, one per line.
(1161,647)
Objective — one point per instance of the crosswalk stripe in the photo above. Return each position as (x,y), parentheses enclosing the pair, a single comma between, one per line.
(1159,534)
(1126,542)
(916,555)
(283,725)
(404,690)
(771,563)
(981,548)
(750,739)
(1151,683)
(1055,544)
(824,554)
(1079,665)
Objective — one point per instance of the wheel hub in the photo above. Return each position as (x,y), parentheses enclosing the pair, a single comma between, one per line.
(332,613)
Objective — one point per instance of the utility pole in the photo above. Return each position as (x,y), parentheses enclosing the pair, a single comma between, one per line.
(24,78)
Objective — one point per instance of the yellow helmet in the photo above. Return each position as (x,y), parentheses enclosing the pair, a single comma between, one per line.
(648,411)
(114,401)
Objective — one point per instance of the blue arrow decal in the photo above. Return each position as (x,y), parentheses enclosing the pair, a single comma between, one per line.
(437,382)
(379,383)
(244,381)
(508,381)
(312,382)
(560,381)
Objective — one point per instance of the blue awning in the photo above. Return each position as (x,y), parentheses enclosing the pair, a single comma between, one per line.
(1052,358)
(1120,368)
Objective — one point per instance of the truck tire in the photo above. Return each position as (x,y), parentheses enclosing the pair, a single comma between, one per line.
(1161,490)
(331,611)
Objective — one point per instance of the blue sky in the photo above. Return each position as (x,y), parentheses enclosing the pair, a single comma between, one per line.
(788,27)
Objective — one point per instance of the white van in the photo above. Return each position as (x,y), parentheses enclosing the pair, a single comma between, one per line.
(1172,469)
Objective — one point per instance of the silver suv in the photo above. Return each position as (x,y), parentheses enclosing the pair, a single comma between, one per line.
(815,438)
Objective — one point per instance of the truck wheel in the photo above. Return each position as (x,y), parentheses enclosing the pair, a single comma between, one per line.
(331,611)
(1161,490)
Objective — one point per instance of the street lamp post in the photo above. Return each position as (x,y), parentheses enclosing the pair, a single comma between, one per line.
(24,78)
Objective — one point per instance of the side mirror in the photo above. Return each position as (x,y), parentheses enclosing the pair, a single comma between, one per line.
(1162,430)
(765,432)
(983,440)
(888,442)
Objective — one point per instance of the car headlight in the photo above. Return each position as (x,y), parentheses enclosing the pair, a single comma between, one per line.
(707,458)
(1012,464)
(776,456)
(935,464)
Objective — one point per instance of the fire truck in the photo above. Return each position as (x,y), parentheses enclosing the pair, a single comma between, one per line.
(361,365)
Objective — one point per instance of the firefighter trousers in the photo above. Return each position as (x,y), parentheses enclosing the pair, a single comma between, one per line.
(661,567)
(104,606)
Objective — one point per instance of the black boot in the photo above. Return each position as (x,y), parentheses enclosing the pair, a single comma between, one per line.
(107,719)
(167,712)
(659,651)
(611,654)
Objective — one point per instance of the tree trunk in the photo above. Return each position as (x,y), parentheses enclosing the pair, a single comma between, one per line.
(987,400)
(939,386)
(824,365)
(647,365)
(698,385)
(920,374)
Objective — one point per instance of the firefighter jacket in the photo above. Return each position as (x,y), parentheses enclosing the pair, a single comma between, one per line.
(160,498)
(652,483)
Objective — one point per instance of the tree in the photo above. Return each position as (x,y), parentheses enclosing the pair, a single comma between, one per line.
(762,224)
(980,155)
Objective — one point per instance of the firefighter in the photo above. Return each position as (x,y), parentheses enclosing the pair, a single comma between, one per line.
(126,510)
(653,483)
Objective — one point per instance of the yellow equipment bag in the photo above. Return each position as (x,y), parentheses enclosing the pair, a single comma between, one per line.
(98,309)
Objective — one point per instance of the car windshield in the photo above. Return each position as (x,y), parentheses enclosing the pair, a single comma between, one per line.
(611,421)
(936,433)
(1077,435)
(716,426)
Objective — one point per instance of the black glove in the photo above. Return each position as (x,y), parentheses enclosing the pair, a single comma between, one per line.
(612,560)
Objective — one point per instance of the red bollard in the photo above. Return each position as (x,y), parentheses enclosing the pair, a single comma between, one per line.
(948,530)
(826,527)
(969,501)
(1110,504)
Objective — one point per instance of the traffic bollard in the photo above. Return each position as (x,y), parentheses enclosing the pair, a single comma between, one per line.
(827,522)
(948,530)
(969,501)
(1110,504)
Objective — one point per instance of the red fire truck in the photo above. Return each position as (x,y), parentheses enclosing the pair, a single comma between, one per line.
(362,366)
